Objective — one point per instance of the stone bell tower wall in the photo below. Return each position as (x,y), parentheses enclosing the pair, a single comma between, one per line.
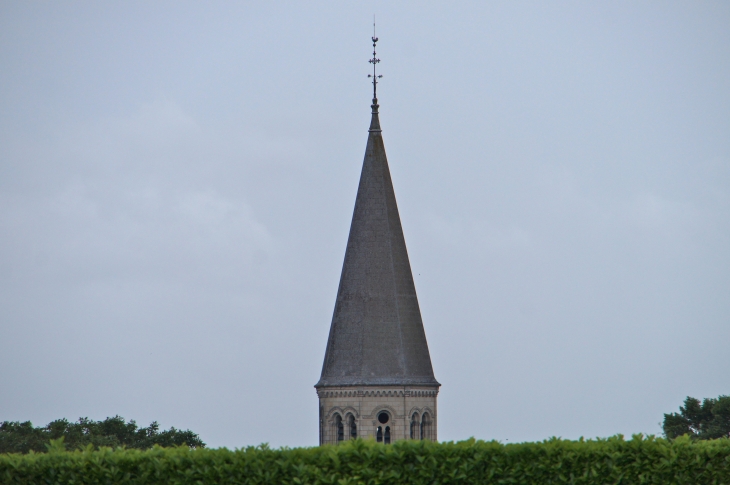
(365,403)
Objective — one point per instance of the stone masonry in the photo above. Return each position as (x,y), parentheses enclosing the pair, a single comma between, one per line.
(366,403)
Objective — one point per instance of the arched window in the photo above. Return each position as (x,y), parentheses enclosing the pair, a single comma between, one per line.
(352,425)
(383,418)
(415,426)
(339,427)
(426,427)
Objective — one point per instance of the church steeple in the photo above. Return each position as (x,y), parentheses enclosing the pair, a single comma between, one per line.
(376,335)
(377,380)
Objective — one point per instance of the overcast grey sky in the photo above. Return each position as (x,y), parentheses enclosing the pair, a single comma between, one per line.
(177,181)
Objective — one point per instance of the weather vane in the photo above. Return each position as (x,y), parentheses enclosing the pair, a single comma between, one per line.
(374,61)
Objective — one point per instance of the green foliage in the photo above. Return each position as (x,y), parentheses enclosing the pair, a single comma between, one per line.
(641,460)
(16,437)
(704,421)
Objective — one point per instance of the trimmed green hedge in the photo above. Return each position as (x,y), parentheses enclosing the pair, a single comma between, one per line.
(604,461)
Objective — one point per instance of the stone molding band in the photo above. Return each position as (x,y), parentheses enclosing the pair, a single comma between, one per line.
(328,393)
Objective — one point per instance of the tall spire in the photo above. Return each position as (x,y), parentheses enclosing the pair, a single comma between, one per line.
(376,336)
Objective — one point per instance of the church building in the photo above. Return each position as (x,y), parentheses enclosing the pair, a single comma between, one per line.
(377,381)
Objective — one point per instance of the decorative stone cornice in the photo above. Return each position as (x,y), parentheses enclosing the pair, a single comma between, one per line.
(345,392)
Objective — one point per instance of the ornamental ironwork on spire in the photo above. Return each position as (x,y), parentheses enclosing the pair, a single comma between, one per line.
(375,120)
(375,61)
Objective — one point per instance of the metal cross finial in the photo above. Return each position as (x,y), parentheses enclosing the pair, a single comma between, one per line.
(374,61)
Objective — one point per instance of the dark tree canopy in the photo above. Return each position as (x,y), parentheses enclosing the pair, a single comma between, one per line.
(17,437)
(704,421)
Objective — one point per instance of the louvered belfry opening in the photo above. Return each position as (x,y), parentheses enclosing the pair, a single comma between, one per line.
(377,355)
(352,424)
(415,427)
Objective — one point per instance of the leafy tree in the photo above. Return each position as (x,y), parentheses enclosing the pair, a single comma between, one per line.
(707,420)
(17,437)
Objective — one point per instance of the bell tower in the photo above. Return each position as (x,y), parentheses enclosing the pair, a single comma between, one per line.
(377,380)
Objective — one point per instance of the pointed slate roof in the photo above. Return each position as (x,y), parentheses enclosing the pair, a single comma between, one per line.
(376,336)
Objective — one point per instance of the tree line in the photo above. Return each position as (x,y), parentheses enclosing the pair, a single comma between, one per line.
(700,420)
(17,437)
(706,420)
